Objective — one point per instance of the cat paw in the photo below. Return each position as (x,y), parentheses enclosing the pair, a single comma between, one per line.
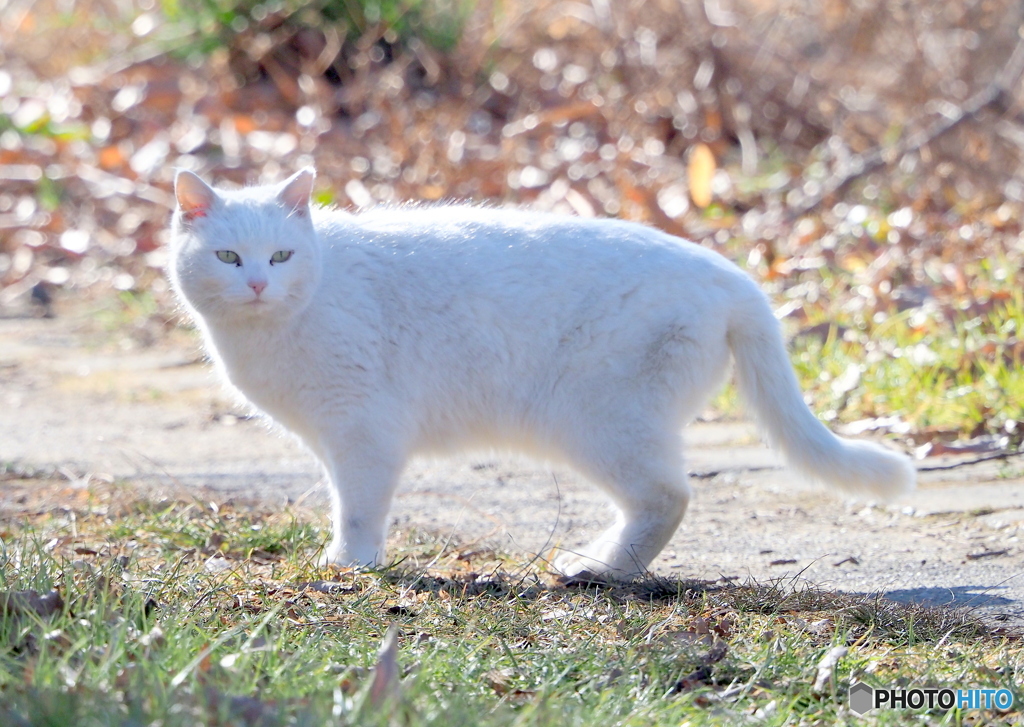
(584,579)
(342,557)
(330,556)
(574,568)
(581,568)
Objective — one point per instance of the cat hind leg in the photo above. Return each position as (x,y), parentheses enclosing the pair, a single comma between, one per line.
(651,493)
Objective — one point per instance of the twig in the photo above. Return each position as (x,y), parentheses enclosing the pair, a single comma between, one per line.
(987,554)
(710,474)
(993,95)
(969,462)
(551,534)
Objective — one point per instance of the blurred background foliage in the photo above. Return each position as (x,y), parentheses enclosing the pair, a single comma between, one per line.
(863,160)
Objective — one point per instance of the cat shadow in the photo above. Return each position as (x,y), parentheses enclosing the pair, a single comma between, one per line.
(530,584)
(952,596)
(928,612)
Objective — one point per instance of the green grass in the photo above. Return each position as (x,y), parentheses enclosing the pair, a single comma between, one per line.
(949,379)
(185,613)
(943,374)
(211,24)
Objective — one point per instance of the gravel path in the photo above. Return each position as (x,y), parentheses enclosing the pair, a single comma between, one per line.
(156,417)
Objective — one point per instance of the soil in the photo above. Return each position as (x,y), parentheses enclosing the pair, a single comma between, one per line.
(85,401)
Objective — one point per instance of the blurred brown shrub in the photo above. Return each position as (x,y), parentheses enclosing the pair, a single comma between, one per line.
(587,107)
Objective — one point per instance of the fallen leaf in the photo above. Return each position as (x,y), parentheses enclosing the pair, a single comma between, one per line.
(700,171)
(399,609)
(702,674)
(499,681)
(18,603)
(247,710)
(689,637)
(724,627)
(826,667)
(822,626)
(214,542)
(155,637)
(324,587)
(385,683)
(263,557)
(217,564)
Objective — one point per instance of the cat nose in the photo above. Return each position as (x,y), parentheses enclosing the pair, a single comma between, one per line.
(258,285)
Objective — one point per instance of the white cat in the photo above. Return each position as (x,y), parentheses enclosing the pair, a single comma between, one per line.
(396,331)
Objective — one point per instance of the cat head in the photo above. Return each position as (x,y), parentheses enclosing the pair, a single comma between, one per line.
(249,254)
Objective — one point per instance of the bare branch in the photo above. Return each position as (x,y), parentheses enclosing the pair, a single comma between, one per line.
(994,95)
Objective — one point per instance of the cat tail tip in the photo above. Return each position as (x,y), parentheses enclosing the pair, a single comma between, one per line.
(767,382)
(859,468)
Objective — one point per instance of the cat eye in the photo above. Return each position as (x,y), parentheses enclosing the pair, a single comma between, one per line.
(280,256)
(229,256)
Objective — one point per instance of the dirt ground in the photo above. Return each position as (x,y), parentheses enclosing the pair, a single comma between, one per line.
(85,398)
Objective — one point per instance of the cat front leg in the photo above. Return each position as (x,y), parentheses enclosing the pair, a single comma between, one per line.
(363,478)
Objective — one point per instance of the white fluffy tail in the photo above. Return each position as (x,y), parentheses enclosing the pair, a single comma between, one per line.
(769,386)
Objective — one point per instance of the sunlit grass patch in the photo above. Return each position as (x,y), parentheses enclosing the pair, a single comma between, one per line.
(940,379)
(191,612)
(926,374)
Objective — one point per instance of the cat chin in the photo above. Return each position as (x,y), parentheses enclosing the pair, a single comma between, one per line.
(244,310)
(249,301)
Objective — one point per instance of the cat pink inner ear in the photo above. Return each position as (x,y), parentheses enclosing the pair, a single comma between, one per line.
(295,193)
(195,197)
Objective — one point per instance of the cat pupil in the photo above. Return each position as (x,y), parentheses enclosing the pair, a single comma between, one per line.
(280,256)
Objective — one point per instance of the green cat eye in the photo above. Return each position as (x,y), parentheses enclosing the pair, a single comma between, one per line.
(280,256)
(229,256)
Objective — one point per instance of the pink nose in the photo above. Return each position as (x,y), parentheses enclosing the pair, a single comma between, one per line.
(258,285)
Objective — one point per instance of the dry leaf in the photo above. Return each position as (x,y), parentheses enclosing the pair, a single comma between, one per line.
(700,171)
(703,673)
(826,667)
(499,681)
(321,586)
(385,674)
(17,603)
(247,711)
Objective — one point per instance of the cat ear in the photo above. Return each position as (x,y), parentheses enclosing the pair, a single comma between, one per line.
(195,197)
(296,191)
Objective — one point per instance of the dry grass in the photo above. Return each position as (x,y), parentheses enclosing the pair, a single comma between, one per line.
(117,609)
